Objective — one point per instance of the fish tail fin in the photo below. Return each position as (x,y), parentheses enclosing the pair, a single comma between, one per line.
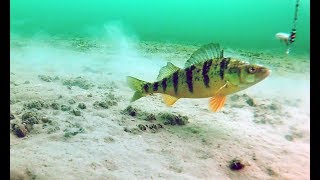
(136,85)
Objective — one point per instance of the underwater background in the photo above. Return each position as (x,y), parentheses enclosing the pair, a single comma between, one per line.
(242,24)
(70,110)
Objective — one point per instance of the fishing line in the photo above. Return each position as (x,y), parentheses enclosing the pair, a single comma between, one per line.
(294,30)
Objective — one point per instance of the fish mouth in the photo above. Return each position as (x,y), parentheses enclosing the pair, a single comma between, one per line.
(265,73)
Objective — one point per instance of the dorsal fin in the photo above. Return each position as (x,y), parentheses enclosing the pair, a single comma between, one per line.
(204,53)
(165,71)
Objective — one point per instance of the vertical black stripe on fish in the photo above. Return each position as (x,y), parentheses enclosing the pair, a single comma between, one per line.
(223,65)
(175,79)
(146,87)
(164,84)
(189,77)
(205,69)
(155,86)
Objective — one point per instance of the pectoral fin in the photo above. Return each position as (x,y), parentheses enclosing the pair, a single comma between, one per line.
(169,100)
(217,102)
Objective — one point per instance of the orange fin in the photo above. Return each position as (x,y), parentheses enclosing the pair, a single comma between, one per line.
(169,100)
(217,102)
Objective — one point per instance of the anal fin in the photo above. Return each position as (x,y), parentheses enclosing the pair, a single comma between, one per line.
(169,100)
(217,102)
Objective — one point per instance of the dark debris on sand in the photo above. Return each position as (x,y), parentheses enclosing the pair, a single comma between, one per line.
(37,104)
(55,106)
(20,130)
(110,100)
(172,119)
(76,112)
(236,164)
(130,111)
(11,116)
(166,118)
(22,127)
(30,118)
(30,122)
(65,107)
(265,112)
(71,101)
(72,130)
(79,82)
(82,106)
(240,101)
(47,78)
(269,114)
(149,125)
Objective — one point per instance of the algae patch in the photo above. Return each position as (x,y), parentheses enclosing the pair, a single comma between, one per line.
(37,104)
(110,100)
(79,82)
(47,78)
(172,119)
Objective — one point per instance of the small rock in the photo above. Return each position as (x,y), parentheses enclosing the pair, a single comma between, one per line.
(126,129)
(45,120)
(35,104)
(53,129)
(11,116)
(235,97)
(142,127)
(65,108)
(89,95)
(153,126)
(132,130)
(173,119)
(159,126)
(76,112)
(250,102)
(81,106)
(78,81)
(254,156)
(271,172)
(289,137)
(235,165)
(102,104)
(27,82)
(30,118)
(29,127)
(274,106)
(20,130)
(150,117)
(108,139)
(55,106)
(112,97)
(130,111)
(71,101)
(45,78)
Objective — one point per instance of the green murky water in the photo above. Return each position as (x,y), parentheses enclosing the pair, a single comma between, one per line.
(246,24)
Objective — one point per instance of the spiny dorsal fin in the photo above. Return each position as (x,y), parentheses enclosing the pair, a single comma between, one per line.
(165,71)
(217,102)
(204,53)
(169,100)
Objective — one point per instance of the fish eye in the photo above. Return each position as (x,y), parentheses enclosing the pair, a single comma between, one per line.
(252,69)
